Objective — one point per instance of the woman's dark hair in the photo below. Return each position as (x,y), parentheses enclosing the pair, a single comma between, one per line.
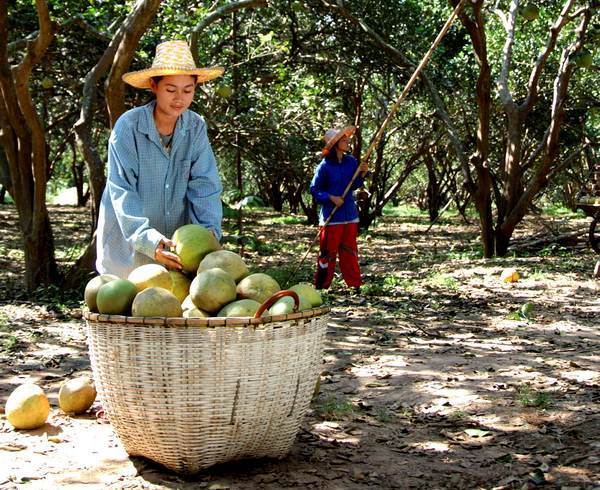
(158,78)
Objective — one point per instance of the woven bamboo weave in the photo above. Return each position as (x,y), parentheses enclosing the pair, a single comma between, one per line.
(191,393)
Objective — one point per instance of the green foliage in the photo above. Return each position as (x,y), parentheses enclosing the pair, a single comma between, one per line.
(333,407)
(528,397)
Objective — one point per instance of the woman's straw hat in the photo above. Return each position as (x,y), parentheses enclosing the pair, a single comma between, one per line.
(332,136)
(171,58)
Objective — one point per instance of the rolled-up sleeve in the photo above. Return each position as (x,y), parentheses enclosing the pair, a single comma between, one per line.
(205,188)
(123,171)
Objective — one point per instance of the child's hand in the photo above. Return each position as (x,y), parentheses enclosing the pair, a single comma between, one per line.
(337,200)
(364,167)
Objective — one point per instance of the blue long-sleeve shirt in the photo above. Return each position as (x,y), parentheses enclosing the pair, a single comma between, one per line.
(150,192)
(330,179)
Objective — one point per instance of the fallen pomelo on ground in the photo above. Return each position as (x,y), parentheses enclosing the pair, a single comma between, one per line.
(156,302)
(212,289)
(258,286)
(229,261)
(151,276)
(92,287)
(77,395)
(509,275)
(192,243)
(27,407)
(115,297)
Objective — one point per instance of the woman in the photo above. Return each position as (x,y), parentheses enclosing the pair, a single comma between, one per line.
(338,236)
(162,172)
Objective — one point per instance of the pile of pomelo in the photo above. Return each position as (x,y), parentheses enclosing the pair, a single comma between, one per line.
(214,283)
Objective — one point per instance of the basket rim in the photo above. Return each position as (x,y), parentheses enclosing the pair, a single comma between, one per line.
(203,322)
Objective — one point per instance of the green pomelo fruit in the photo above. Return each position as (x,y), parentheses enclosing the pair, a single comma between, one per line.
(181,285)
(47,83)
(192,243)
(241,307)
(115,297)
(584,59)
(224,91)
(229,261)
(286,304)
(258,286)
(195,313)
(156,301)
(91,289)
(308,292)
(150,276)
(212,289)
(530,12)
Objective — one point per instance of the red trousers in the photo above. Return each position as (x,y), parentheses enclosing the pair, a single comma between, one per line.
(334,240)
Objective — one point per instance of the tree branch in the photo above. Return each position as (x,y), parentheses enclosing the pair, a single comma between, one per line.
(216,15)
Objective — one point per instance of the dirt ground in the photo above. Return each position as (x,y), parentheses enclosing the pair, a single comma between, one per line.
(435,376)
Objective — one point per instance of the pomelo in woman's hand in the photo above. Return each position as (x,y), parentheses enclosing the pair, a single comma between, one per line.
(27,407)
(77,395)
(192,243)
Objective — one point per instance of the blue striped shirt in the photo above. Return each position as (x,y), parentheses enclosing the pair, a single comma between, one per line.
(150,192)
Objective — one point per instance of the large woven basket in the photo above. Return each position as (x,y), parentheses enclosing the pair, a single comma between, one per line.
(192,392)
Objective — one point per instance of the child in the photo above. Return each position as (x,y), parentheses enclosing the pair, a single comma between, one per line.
(338,236)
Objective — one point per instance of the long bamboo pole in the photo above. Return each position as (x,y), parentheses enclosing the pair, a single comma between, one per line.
(386,122)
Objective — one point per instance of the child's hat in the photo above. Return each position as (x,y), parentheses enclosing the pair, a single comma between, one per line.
(171,58)
(332,136)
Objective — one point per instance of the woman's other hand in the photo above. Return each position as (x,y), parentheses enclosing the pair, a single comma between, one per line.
(164,256)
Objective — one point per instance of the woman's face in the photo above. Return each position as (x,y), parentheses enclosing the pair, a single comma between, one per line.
(174,93)
(343,143)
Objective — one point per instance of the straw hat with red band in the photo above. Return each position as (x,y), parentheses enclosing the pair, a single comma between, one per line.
(332,136)
(171,58)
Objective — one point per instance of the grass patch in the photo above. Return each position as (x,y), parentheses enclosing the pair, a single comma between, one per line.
(334,407)
(532,398)
(442,280)
(10,344)
(287,220)
(384,414)
(405,211)
(559,210)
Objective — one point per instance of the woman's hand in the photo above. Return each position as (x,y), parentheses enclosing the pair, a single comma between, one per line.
(337,200)
(164,256)
(364,167)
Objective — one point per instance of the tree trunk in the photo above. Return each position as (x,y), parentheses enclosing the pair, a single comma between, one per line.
(135,26)
(23,139)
